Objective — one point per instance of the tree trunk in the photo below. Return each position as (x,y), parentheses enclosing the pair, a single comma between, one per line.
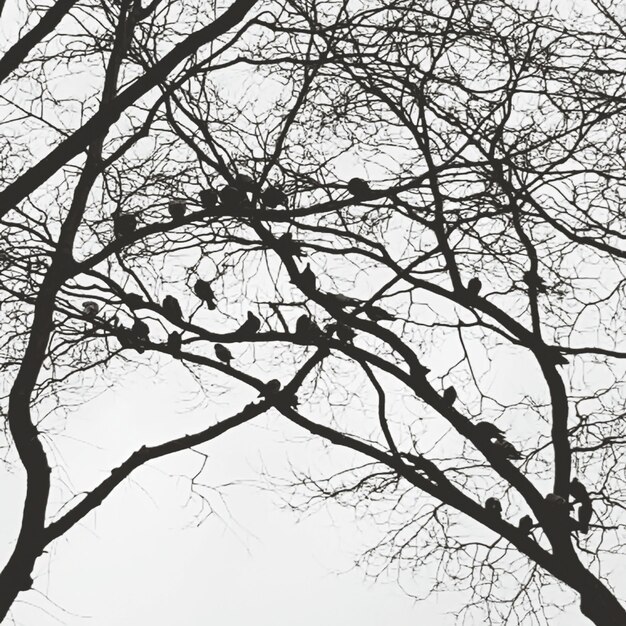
(600,605)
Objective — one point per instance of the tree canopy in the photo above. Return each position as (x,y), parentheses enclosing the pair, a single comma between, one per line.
(398,226)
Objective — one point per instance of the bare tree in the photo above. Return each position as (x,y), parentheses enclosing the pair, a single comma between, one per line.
(402,228)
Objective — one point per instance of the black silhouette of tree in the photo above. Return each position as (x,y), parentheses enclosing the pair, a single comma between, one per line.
(406,220)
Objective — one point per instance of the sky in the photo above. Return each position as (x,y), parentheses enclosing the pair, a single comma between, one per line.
(141,558)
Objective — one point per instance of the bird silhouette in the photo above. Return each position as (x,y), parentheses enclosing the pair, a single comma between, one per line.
(141,330)
(307,277)
(174,343)
(246,183)
(449,395)
(578,491)
(286,244)
(342,300)
(273,197)
(557,503)
(124,224)
(488,431)
(204,291)
(359,188)
(506,449)
(209,198)
(251,325)
(177,209)
(474,286)
(307,329)
(90,309)
(232,198)
(525,524)
(272,387)
(493,506)
(223,353)
(171,307)
(134,300)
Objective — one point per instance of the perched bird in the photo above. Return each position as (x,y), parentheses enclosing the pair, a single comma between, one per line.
(288,245)
(232,197)
(585,511)
(209,198)
(474,286)
(359,188)
(177,209)
(378,314)
(174,343)
(493,506)
(204,291)
(556,357)
(272,387)
(449,395)
(90,309)
(306,328)
(134,300)
(506,449)
(273,197)
(525,524)
(535,281)
(308,277)
(579,491)
(557,503)
(124,224)
(141,330)
(251,325)
(223,353)
(488,431)
(171,307)
(245,182)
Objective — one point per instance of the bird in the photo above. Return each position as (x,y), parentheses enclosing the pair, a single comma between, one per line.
(359,188)
(209,198)
(134,300)
(506,449)
(525,524)
(579,491)
(273,197)
(474,286)
(141,330)
(488,431)
(177,209)
(585,511)
(449,395)
(124,224)
(555,356)
(90,309)
(174,343)
(223,353)
(245,182)
(172,308)
(272,387)
(204,291)
(232,197)
(306,328)
(378,314)
(307,277)
(251,325)
(492,505)
(288,245)
(557,503)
